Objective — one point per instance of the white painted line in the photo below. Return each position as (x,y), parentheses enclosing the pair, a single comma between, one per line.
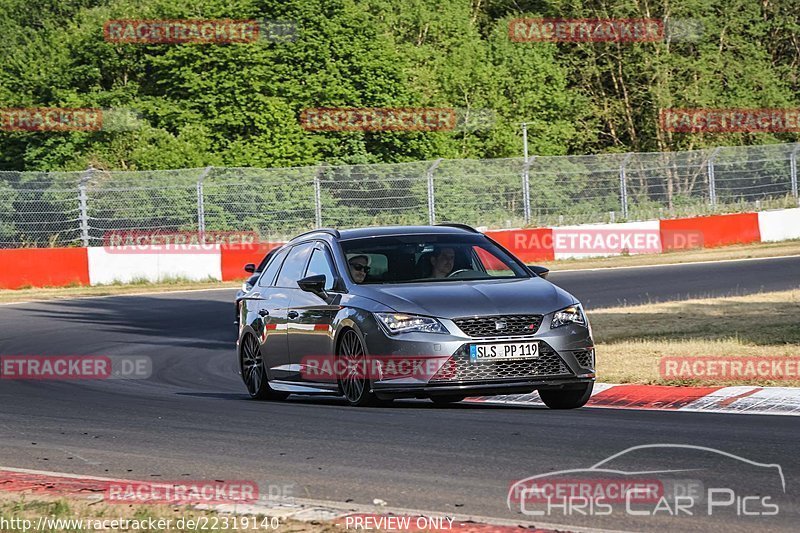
(688,263)
(57,474)
(151,293)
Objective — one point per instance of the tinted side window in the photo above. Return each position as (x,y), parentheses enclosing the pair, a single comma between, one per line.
(294,266)
(268,276)
(267,258)
(321,264)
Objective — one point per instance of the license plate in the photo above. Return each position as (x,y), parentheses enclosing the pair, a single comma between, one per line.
(480,353)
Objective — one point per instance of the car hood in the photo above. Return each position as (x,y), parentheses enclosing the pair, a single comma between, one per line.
(452,299)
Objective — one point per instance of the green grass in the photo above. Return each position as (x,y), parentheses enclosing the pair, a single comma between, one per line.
(631,340)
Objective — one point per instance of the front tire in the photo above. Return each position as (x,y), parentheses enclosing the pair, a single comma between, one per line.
(354,381)
(567,399)
(254,371)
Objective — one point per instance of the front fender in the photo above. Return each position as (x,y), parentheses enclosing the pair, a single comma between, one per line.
(353,319)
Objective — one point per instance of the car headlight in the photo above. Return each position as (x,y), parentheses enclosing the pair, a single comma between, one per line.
(395,323)
(571,315)
(246,287)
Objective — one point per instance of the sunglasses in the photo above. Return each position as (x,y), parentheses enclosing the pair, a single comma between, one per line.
(361,268)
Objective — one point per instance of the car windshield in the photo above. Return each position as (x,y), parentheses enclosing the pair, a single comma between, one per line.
(425,258)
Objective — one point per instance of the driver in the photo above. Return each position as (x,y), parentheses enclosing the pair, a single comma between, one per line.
(359,267)
(442,261)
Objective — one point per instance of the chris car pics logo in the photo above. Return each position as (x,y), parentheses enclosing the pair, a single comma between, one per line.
(630,483)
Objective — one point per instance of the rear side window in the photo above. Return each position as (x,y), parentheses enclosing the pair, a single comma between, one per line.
(268,276)
(295,265)
(267,258)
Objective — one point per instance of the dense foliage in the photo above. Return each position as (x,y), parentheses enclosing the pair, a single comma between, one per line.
(237,105)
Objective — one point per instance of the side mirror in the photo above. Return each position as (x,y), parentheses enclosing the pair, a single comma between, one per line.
(539,270)
(314,284)
(250,267)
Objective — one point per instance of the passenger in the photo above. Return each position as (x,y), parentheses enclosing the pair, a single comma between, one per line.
(359,267)
(442,261)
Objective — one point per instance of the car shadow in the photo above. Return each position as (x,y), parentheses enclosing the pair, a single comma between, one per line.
(168,321)
(337,401)
(404,404)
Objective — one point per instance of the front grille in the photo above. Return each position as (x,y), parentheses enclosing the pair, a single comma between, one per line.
(459,368)
(585,358)
(487,326)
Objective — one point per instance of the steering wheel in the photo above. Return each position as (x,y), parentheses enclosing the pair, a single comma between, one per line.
(457,272)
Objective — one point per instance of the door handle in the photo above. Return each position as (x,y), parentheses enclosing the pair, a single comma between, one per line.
(292,314)
(263,312)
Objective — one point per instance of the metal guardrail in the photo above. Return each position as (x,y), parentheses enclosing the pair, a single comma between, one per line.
(79,208)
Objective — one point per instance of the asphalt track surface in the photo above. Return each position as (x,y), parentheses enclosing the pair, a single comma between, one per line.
(633,286)
(191,420)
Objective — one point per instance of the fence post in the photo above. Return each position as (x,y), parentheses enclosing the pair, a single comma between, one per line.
(712,183)
(623,186)
(318,197)
(201,209)
(431,197)
(526,189)
(793,171)
(83,211)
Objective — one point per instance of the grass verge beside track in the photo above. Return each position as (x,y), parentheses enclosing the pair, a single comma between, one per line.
(738,251)
(631,340)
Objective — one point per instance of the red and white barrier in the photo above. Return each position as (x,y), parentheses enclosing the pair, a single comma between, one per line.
(779,225)
(43,267)
(654,236)
(62,267)
(716,230)
(604,240)
(92,266)
(109,267)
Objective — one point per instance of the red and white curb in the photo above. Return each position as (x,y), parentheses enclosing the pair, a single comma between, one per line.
(348,516)
(739,400)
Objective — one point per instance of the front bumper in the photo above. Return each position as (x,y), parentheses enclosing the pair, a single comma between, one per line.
(480,388)
(566,360)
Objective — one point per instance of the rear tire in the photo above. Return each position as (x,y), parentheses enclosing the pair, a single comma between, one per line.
(254,371)
(354,382)
(567,399)
(446,400)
